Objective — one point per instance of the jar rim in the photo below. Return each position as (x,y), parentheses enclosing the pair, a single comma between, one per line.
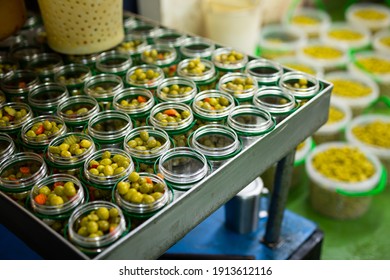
(63,70)
(274,108)
(176,81)
(239,94)
(72,100)
(153,83)
(18,105)
(215,114)
(116,68)
(169,105)
(188,52)
(103,78)
(228,66)
(299,92)
(159,62)
(48,102)
(264,77)
(207,75)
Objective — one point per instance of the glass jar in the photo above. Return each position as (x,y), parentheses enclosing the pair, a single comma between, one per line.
(183,167)
(228,60)
(212,105)
(103,87)
(310,20)
(24,52)
(193,47)
(276,101)
(380,42)
(328,57)
(103,169)
(132,45)
(45,64)
(113,62)
(373,65)
(199,70)
(176,89)
(67,153)
(37,133)
(146,143)
(136,102)
(96,243)
(368,15)
(217,142)
(144,30)
(144,76)
(52,206)
(300,85)
(7,147)
(73,76)
(141,205)
(12,125)
(241,86)
(250,123)
(176,119)
(346,36)
(7,64)
(265,72)
(17,84)
(19,173)
(109,128)
(162,56)
(77,110)
(2,98)
(169,37)
(88,60)
(278,40)
(44,98)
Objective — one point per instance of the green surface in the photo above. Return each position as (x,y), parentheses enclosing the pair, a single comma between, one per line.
(365,238)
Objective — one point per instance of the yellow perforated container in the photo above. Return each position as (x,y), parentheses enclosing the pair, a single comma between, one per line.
(82,26)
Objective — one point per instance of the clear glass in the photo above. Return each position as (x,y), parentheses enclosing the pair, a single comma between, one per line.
(113,62)
(12,124)
(76,111)
(143,208)
(159,55)
(73,77)
(137,76)
(229,60)
(145,30)
(176,89)
(183,167)
(7,147)
(109,128)
(24,52)
(197,47)
(300,85)
(226,104)
(147,150)
(131,45)
(110,179)
(264,71)
(94,244)
(134,101)
(168,125)
(240,85)
(8,64)
(207,73)
(169,37)
(44,98)
(86,59)
(45,64)
(17,84)
(61,209)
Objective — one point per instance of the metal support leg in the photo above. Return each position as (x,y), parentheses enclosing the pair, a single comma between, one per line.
(279,195)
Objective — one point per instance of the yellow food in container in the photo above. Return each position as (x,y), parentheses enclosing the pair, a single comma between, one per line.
(355,91)
(296,64)
(372,132)
(339,116)
(381,42)
(343,178)
(368,15)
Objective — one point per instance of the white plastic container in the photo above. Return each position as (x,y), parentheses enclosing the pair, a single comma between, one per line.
(298,65)
(381,42)
(349,95)
(333,131)
(383,153)
(375,65)
(342,200)
(368,15)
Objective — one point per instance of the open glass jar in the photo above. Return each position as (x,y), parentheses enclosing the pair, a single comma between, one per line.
(250,122)
(183,167)
(19,173)
(109,128)
(136,102)
(24,52)
(103,87)
(228,60)
(266,72)
(44,98)
(7,64)
(176,89)
(17,84)
(107,221)
(212,105)
(113,62)
(176,119)
(73,77)
(13,116)
(144,30)
(300,85)
(199,70)
(7,147)
(217,142)
(241,86)
(142,196)
(67,153)
(193,47)
(169,37)
(54,198)
(132,45)
(276,101)
(103,169)
(77,110)
(37,133)
(162,56)
(45,64)
(144,76)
